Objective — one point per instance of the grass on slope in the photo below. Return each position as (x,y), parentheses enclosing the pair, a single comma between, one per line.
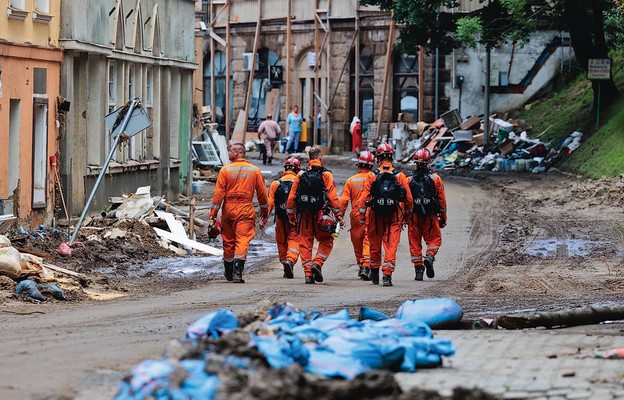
(570,108)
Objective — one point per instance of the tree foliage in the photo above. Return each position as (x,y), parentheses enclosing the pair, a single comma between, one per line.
(435,24)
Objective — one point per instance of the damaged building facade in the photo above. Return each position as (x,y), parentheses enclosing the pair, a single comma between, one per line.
(265,56)
(30,64)
(114,51)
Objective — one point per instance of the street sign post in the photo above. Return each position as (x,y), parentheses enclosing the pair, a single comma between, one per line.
(598,69)
(129,119)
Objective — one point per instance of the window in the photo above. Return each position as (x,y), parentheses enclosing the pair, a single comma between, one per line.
(405,98)
(42,11)
(17,10)
(131,85)
(40,148)
(42,6)
(218,109)
(112,83)
(366,88)
(149,88)
(40,79)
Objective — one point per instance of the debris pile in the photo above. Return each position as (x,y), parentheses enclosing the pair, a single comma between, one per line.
(278,351)
(457,144)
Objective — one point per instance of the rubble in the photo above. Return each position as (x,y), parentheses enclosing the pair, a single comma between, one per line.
(456,144)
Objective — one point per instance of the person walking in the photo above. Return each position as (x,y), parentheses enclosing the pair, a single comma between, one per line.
(428,216)
(268,132)
(384,192)
(319,136)
(285,235)
(352,192)
(313,208)
(236,184)
(356,135)
(294,122)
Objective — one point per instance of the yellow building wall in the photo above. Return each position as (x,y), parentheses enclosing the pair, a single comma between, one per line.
(29,30)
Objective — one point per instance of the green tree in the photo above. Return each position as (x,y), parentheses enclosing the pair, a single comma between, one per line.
(430,24)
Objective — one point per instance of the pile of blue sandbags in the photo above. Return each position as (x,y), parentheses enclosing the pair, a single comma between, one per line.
(334,346)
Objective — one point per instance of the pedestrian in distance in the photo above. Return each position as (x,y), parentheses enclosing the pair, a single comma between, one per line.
(234,191)
(428,215)
(314,210)
(319,124)
(295,123)
(387,194)
(268,132)
(356,135)
(285,235)
(352,192)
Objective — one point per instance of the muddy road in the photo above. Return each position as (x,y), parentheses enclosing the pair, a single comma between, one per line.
(513,242)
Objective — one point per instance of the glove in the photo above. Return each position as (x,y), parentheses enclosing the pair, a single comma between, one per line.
(212,222)
(442,220)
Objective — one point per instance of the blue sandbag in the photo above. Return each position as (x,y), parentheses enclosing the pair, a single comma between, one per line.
(398,328)
(213,325)
(149,377)
(28,288)
(308,333)
(198,385)
(424,352)
(340,319)
(52,289)
(437,312)
(367,313)
(371,351)
(332,365)
(281,351)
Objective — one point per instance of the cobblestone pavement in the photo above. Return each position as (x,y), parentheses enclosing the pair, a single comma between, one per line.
(533,363)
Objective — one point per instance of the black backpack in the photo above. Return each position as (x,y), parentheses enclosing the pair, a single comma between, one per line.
(281,196)
(311,190)
(424,193)
(386,193)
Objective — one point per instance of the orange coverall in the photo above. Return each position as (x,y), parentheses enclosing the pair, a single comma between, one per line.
(285,235)
(426,227)
(353,191)
(235,188)
(384,231)
(308,225)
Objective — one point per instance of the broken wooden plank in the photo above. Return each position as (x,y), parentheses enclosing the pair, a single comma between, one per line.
(64,271)
(188,242)
(175,226)
(573,317)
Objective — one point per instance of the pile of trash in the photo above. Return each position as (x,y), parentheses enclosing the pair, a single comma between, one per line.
(303,353)
(457,144)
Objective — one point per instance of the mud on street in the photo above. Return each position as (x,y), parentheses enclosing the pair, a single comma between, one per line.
(514,242)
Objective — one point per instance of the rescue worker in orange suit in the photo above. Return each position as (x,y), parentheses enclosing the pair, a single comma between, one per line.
(305,206)
(428,216)
(387,193)
(236,184)
(285,235)
(352,192)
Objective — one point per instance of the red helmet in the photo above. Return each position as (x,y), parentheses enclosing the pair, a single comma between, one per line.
(215,230)
(292,163)
(422,157)
(327,223)
(366,158)
(384,149)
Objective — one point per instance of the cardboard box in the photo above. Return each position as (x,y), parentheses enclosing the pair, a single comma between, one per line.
(324,149)
(478,139)
(506,147)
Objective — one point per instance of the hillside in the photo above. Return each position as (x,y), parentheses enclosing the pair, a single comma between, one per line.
(568,109)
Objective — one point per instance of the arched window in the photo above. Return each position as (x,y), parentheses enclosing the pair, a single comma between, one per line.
(261,86)
(405,95)
(364,110)
(219,108)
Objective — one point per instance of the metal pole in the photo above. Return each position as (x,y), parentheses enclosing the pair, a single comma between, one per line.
(598,107)
(121,128)
(486,117)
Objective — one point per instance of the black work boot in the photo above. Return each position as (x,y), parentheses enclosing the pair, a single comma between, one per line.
(288,269)
(387,280)
(420,271)
(364,274)
(229,270)
(316,273)
(374,276)
(429,259)
(309,280)
(264,158)
(237,276)
(269,160)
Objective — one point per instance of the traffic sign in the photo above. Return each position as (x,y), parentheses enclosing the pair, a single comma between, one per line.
(139,121)
(599,68)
